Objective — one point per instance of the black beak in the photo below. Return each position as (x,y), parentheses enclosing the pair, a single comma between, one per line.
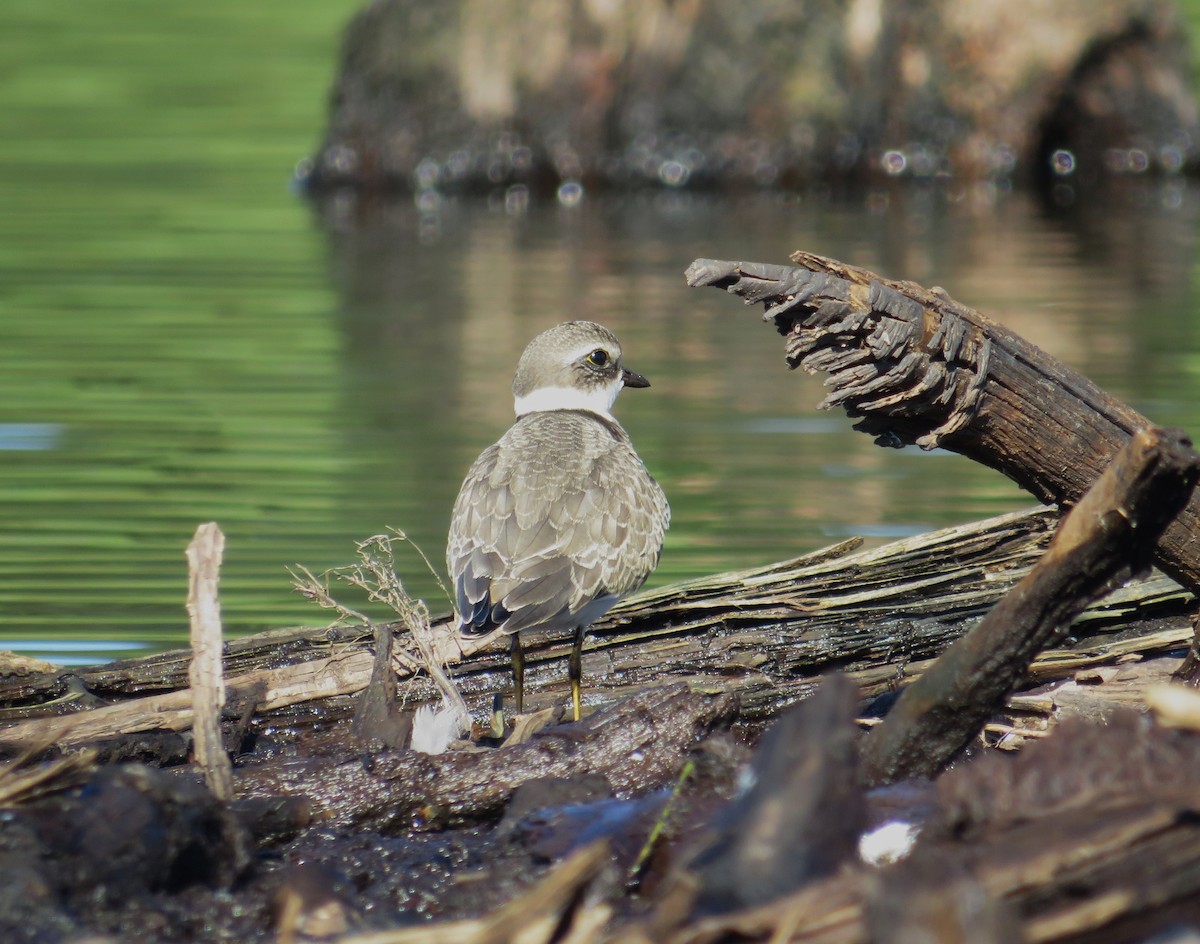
(633,379)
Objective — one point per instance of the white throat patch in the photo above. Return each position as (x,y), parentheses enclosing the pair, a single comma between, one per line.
(597,400)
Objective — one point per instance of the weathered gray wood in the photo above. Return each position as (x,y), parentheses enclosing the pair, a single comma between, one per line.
(765,633)
(916,367)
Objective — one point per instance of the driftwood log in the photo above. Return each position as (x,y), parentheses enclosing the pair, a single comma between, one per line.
(916,367)
(1093,831)
(766,633)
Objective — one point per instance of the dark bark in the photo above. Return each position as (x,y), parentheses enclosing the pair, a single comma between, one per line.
(638,744)
(801,818)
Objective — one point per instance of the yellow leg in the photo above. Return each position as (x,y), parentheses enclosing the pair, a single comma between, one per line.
(575,672)
(518,666)
(498,716)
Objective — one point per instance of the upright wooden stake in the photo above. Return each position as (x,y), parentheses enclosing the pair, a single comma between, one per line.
(205,674)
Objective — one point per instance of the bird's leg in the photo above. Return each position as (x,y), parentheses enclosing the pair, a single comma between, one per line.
(575,671)
(498,716)
(518,666)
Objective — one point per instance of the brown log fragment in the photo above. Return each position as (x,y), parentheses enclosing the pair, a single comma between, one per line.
(637,744)
(377,714)
(916,367)
(1107,538)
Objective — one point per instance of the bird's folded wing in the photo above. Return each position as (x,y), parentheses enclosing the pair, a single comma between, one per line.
(536,540)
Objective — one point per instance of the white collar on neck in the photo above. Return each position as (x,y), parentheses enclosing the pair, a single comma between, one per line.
(597,400)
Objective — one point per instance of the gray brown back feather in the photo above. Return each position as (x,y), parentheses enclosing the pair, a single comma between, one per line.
(558,513)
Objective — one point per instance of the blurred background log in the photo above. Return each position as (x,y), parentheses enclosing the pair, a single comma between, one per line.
(485,94)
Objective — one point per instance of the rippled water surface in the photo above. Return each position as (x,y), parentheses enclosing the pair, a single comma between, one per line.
(184,340)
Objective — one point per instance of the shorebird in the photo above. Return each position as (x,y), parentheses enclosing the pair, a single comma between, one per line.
(559,519)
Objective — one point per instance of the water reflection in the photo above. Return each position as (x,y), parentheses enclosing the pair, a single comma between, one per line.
(30,437)
(347,382)
(731,436)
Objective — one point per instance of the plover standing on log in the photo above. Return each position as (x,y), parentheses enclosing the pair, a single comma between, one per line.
(559,519)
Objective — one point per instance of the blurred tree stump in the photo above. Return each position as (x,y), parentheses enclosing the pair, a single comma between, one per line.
(485,94)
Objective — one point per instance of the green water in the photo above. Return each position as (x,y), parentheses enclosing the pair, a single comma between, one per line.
(184,340)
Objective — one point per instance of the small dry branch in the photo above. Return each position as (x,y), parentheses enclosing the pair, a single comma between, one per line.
(375,574)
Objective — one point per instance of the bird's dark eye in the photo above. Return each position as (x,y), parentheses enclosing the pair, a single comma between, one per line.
(598,358)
